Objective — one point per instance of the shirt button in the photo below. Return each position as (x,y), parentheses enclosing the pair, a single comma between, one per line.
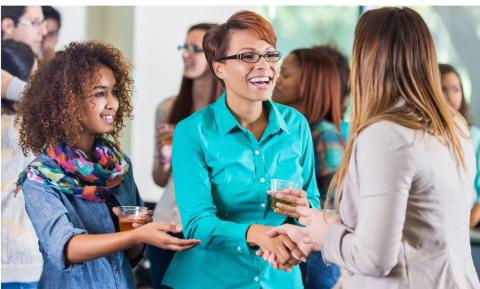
(116,270)
(239,248)
(256,279)
(262,180)
(257,152)
(262,205)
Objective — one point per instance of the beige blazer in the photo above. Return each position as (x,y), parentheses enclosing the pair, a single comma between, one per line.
(405,212)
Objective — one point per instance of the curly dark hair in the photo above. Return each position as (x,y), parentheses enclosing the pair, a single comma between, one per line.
(49,111)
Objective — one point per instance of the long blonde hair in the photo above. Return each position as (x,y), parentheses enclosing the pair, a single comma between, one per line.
(394,60)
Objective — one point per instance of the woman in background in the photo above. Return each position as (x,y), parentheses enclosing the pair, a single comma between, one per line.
(311,81)
(199,88)
(453,90)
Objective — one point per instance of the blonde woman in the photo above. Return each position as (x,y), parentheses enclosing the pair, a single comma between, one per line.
(405,187)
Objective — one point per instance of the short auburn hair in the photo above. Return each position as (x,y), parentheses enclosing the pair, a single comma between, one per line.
(217,40)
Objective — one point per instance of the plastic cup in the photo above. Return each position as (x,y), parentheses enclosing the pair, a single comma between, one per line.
(278,185)
(129,215)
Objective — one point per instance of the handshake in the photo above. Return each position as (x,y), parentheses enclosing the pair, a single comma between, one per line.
(288,245)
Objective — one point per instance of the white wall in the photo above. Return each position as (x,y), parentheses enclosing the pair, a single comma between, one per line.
(74,19)
(157,73)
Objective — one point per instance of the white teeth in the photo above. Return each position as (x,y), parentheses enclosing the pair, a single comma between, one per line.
(108,117)
(260,79)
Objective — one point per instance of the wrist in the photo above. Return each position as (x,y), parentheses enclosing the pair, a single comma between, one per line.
(255,233)
(164,161)
(137,237)
(251,235)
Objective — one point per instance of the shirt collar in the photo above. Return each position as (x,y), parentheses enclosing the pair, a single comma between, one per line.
(223,116)
(275,118)
(226,121)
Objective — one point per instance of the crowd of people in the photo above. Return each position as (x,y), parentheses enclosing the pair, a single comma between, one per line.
(384,198)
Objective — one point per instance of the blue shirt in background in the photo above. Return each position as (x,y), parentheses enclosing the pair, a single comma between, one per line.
(475,133)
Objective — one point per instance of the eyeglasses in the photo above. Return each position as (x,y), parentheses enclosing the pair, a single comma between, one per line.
(191,48)
(33,23)
(252,57)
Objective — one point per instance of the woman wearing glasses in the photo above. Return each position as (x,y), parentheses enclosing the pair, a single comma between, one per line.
(199,88)
(224,157)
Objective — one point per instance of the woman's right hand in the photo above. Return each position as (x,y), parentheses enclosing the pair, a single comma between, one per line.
(286,252)
(156,234)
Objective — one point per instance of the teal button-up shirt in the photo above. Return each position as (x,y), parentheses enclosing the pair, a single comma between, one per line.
(221,175)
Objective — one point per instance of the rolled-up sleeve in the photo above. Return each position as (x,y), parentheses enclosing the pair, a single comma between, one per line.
(50,221)
(194,199)
(385,173)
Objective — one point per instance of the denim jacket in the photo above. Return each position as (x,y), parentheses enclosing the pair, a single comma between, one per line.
(57,217)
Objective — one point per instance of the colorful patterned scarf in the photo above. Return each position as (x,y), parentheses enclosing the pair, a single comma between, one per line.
(78,176)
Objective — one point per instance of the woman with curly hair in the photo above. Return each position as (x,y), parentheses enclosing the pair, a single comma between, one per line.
(70,117)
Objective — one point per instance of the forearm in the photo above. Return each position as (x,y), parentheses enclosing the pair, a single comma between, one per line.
(216,234)
(82,248)
(14,89)
(254,234)
(161,173)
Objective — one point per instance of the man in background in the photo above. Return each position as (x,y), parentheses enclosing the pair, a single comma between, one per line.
(23,24)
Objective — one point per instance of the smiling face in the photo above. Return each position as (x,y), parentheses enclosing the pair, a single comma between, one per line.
(248,81)
(287,89)
(98,110)
(195,63)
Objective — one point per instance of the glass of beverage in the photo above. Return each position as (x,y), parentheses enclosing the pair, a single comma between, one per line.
(167,131)
(129,215)
(278,185)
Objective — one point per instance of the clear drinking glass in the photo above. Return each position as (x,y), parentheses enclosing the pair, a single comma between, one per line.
(278,185)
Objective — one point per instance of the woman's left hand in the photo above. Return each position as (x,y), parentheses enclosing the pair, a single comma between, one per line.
(317,224)
(297,199)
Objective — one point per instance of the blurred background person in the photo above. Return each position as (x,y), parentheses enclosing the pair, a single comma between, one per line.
(199,87)
(453,90)
(54,23)
(311,81)
(21,259)
(343,67)
(23,24)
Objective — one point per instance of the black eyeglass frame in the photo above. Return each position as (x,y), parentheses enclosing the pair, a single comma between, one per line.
(241,55)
